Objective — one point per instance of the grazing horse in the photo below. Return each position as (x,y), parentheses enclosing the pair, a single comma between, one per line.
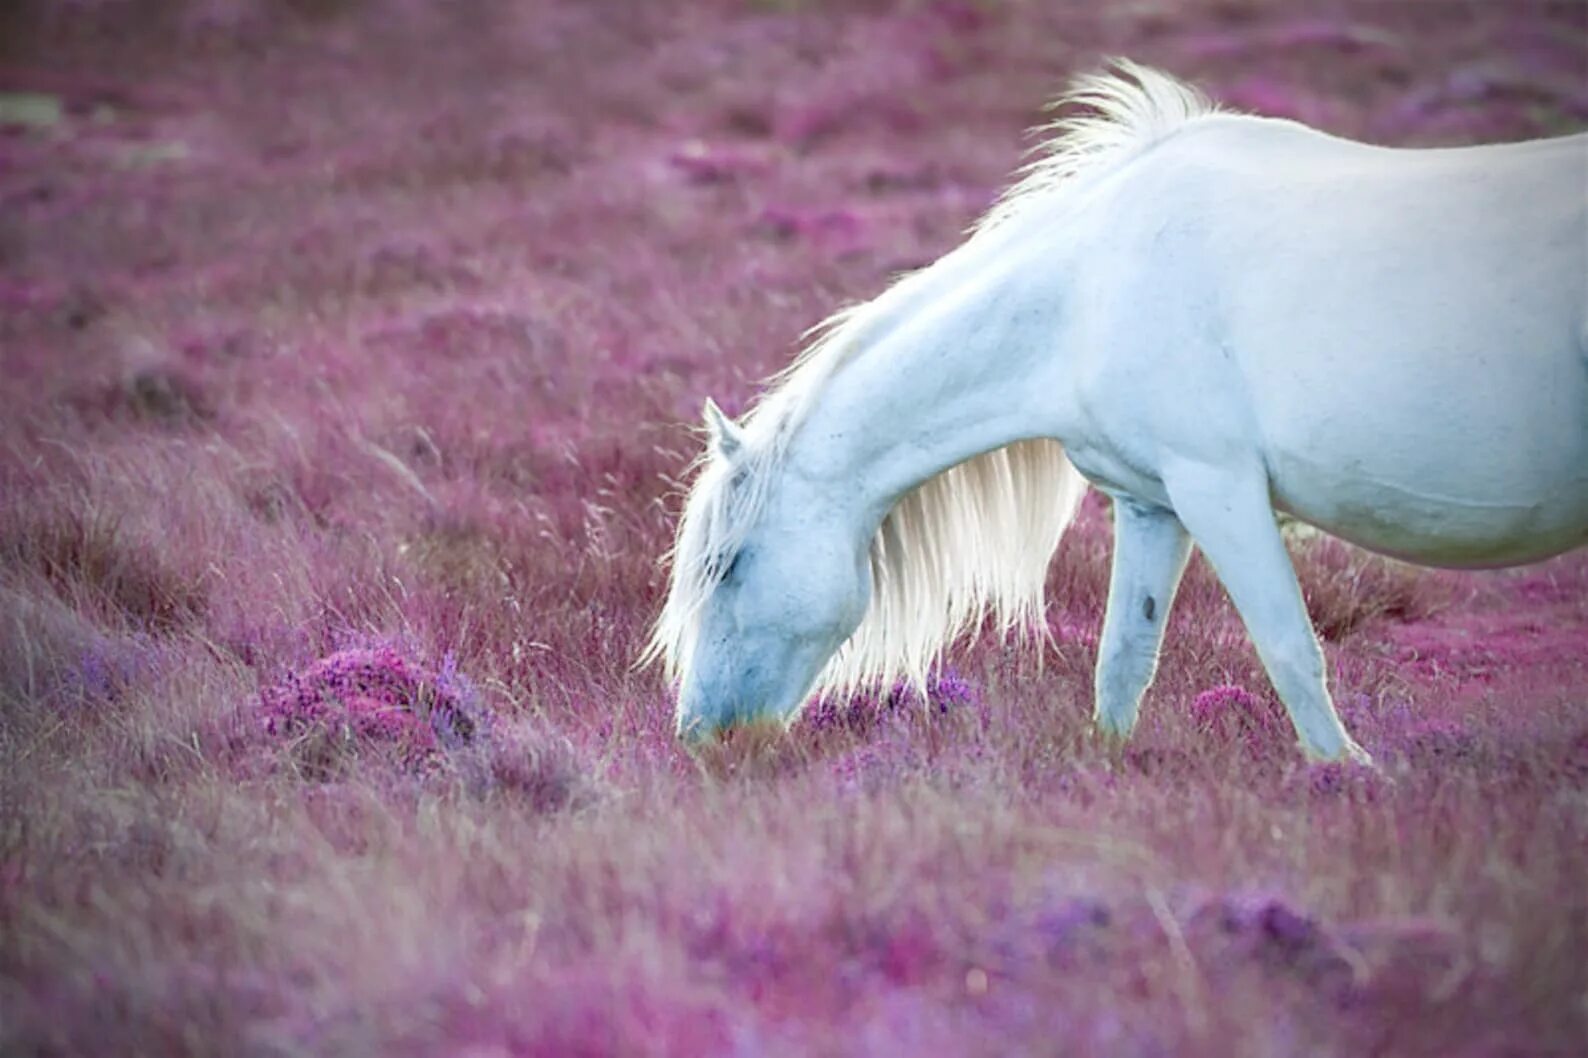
(1208,316)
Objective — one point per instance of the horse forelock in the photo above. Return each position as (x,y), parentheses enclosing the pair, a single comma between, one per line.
(724,499)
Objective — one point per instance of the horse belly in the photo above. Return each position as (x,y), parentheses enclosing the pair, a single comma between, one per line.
(1491,471)
(1418,523)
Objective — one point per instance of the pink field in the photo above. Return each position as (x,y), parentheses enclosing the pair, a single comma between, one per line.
(351,355)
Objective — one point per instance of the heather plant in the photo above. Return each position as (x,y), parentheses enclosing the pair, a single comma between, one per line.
(375,695)
(944,690)
(1229,711)
(348,359)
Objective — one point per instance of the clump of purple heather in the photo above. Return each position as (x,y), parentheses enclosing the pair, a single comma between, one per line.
(1230,712)
(864,768)
(1341,780)
(378,695)
(946,689)
(1270,931)
(1438,738)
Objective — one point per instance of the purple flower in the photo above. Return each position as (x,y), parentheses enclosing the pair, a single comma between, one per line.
(946,691)
(1337,779)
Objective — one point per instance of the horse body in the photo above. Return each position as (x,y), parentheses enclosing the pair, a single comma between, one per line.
(1397,335)
(1215,316)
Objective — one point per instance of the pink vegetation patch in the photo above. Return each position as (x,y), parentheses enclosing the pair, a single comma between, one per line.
(835,229)
(1576,761)
(703,163)
(378,696)
(1229,711)
(1483,647)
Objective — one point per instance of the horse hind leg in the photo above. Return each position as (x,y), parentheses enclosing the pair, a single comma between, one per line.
(1150,552)
(1230,516)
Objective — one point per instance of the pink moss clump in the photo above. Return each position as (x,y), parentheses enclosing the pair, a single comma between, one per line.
(378,696)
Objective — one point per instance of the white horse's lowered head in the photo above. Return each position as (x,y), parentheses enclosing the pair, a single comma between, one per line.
(1208,316)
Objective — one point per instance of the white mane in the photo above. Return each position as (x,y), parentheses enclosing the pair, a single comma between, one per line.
(979,536)
(1132,107)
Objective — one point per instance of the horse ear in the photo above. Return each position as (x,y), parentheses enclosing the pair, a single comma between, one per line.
(726,436)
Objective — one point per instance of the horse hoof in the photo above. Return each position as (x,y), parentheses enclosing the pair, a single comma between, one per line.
(1348,753)
(1359,756)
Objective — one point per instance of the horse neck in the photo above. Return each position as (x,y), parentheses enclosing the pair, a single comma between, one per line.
(957,360)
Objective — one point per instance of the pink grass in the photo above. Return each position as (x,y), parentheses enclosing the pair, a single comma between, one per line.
(351,353)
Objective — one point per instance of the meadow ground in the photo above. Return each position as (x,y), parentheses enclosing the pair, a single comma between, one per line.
(351,356)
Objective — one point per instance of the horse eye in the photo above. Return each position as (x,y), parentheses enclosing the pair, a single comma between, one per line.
(724,572)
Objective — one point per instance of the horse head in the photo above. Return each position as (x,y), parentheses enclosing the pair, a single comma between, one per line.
(768,584)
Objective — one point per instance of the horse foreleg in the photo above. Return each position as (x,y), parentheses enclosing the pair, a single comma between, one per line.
(1150,550)
(1230,516)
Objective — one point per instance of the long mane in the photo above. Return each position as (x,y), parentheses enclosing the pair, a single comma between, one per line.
(977,538)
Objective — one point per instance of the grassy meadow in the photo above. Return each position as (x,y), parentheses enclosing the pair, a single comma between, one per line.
(351,358)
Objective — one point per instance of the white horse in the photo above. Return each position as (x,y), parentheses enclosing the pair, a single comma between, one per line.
(1209,317)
